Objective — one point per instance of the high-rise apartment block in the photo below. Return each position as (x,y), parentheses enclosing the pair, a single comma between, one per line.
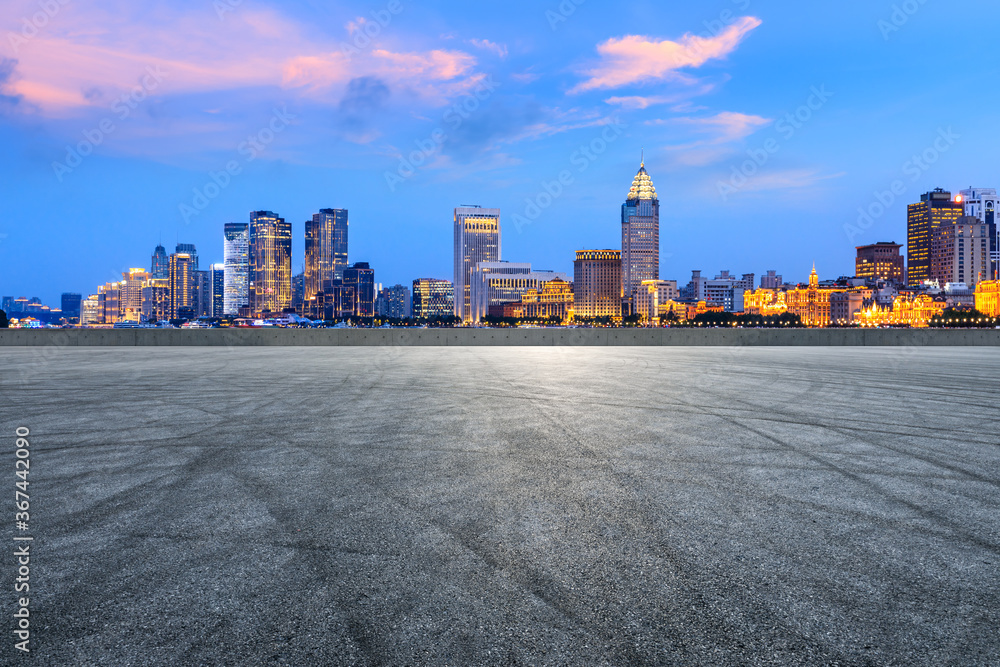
(477,239)
(880,262)
(597,283)
(394,302)
(960,253)
(935,209)
(640,236)
(984,204)
(270,263)
(433,298)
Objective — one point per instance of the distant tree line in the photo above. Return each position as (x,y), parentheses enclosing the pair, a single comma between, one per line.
(961,318)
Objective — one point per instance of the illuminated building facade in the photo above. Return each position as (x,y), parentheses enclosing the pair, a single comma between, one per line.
(554,299)
(433,298)
(915,312)
(236,256)
(477,239)
(111,300)
(960,253)
(270,263)
(811,304)
(653,293)
(640,236)
(766,302)
(160,265)
(988,298)
(326,250)
(156,300)
(597,283)
(984,204)
(181,282)
(360,277)
(92,310)
(496,283)
(935,209)
(131,294)
(880,262)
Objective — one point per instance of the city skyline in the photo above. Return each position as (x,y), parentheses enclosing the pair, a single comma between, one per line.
(735,147)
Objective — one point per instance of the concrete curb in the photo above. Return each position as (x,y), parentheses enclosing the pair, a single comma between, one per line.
(500,337)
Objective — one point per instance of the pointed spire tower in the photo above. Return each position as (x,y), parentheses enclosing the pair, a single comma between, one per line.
(640,237)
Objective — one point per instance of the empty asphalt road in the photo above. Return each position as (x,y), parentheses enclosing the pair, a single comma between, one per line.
(495,506)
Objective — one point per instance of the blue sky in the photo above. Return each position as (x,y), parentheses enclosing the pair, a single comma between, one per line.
(496,102)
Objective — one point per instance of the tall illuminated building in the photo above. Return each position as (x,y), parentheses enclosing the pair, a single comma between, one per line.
(984,204)
(236,257)
(156,300)
(270,263)
(326,250)
(880,262)
(181,282)
(360,277)
(131,294)
(597,283)
(218,277)
(433,298)
(477,239)
(960,253)
(935,208)
(160,265)
(394,302)
(640,236)
(188,249)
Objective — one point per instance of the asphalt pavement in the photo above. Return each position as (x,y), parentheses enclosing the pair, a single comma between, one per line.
(497,506)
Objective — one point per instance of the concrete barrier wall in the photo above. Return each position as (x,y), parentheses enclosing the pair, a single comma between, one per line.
(470,337)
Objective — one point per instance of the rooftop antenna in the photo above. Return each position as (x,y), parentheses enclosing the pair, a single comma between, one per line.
(642,159)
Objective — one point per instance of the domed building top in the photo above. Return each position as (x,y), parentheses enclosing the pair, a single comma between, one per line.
(642,186)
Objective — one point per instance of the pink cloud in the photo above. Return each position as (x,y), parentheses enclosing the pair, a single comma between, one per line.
(88,57)
(726,126)
(635,59)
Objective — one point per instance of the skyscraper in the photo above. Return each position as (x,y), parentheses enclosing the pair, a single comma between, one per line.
(270,263)
(936,208)
(70,307)
(361,278)
(983,203)
(433,298)
(218,290)
(181,281)
(236,256)
(640,236)
(960,253)
(160,267)
(326,250)
(188,249)
(131,294)
(597,283)
(477,239)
